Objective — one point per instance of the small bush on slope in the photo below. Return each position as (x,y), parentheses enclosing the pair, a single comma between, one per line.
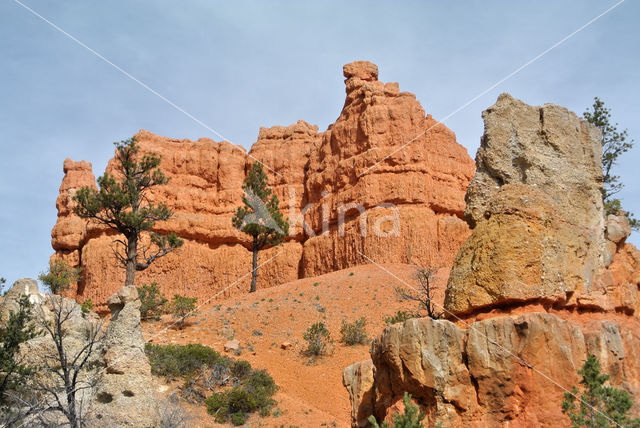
(318,339)
(183,307)
(153,302)
(86,306)
(205,370)
(354,333)
(171,415)
(236,403)
(180,360)
(241,369)
(400,316)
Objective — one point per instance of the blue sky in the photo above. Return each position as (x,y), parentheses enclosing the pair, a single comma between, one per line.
(240,65)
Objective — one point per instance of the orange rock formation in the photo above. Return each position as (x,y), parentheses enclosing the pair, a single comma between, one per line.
(543,281)
(411,199)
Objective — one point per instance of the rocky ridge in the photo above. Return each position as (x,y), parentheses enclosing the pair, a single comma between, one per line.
(543,281)
(412,199)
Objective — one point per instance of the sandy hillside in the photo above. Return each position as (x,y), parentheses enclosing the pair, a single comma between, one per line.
(311,393)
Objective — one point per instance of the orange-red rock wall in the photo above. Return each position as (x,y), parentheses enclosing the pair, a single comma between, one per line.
(411,195)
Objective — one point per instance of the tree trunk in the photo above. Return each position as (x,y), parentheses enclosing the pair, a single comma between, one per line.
(71,404)
(132,257)
(254,271)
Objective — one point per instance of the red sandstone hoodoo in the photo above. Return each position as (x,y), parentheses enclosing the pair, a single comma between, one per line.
(411,200)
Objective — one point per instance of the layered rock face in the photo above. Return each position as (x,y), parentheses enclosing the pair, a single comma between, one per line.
(204,190)
(502,371)
(383,156)
(349,190)
(543,281)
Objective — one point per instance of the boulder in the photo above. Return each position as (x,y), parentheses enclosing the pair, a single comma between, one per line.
(535,207)
(232,345)
(547,147)
(425,358)
(617,229)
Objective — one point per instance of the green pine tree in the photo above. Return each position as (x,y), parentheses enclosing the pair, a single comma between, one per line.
(18,329)
(411,418)
(152,301)
(614,144)
(121,203)
(599,405)
(60,276)
(183,307)
(259,216)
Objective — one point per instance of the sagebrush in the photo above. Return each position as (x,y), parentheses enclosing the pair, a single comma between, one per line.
(230,389)
(354,333)
(318,340)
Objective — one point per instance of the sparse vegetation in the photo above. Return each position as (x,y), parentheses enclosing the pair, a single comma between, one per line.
(59,276)
(411,418)
(400,316)
(259,217)
(614,144)
(121,204)
(241,369)
(180,360)
(153,302)
(171,414)
(255,394)
(318,340)
(238,388)
(86,306)
(423,293)
(354,333)
(598,405)
(183,307)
